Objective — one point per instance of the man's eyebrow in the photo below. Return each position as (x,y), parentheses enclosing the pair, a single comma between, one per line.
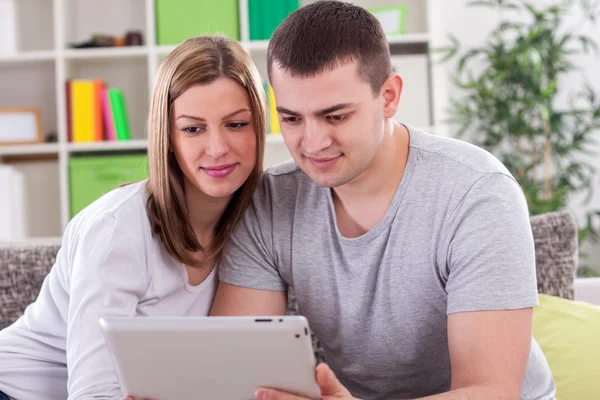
(333,109)
(319,113)
(241,110)
(282,110)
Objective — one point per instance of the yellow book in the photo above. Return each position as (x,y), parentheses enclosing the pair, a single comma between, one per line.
(273,117)
(82,111)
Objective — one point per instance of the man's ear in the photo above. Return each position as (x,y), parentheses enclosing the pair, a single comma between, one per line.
(391,91)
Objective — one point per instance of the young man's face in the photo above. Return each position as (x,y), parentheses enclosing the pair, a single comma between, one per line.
(331,123)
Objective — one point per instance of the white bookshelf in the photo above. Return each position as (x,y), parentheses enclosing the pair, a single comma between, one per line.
(35,76)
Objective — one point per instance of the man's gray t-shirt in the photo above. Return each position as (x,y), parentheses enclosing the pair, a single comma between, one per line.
(456,238)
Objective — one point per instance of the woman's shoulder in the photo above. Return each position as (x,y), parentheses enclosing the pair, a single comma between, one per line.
(125,205)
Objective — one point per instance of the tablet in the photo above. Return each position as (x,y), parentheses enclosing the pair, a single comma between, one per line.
(190,358)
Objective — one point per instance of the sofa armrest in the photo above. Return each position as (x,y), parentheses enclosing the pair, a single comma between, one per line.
(588,290)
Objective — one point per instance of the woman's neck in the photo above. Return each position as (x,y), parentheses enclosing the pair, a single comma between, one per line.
(204,212)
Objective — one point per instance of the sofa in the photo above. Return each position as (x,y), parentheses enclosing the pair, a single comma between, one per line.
(23,268)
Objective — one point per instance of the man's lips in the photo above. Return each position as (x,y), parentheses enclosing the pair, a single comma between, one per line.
(324,162)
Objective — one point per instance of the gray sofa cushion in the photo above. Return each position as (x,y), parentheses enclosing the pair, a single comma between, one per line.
(556,253)
(22,271)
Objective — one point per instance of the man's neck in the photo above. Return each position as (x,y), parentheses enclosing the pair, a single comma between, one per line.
(363,202)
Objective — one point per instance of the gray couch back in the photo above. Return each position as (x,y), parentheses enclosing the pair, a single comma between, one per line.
(23,269)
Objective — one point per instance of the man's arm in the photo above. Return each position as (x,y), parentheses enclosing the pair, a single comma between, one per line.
(488,354)
(236,300)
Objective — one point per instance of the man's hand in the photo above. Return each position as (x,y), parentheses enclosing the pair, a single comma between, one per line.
(331,388)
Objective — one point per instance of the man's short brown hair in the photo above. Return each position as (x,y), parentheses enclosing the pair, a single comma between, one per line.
(327,34)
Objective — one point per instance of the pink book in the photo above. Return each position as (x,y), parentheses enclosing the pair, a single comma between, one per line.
(107,113)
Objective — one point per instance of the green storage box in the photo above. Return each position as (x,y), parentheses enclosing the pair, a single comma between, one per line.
(92,176)
(177,20)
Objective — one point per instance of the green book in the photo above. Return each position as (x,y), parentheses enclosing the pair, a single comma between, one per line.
(255,17)
(119,109)
(178,20)
(264,16)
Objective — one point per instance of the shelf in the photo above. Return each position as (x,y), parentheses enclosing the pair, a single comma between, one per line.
(274,138)
(262,45)
(106,52)
(135,144)
(33,241)
(28,149)
(28,56)
(164,50)
(409,38)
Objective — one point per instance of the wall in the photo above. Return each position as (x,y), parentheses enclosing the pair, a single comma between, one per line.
(471,24)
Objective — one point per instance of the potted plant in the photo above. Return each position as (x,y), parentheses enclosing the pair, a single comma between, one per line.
(509,107)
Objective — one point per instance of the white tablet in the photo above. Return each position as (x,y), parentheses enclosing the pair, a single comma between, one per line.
(228,358)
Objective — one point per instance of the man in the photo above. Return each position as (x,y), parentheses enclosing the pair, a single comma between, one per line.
(411,255)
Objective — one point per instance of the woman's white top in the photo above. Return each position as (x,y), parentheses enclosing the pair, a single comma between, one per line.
(109,264)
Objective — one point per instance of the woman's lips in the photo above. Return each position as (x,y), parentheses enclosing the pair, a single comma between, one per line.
(219,171)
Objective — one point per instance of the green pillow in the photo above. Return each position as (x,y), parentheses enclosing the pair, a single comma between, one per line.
(569,334)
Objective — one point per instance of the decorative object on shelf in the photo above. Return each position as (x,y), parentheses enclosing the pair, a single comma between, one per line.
(134,38)
(51,137)
(95,113)
(264,16)
(511,104)
(177,20)
(391,18)
(131,38)
(8,27)
(20,125)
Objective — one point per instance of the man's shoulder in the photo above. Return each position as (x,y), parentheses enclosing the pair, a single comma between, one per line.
(457,154)
(279,190)
(281,180)
(285,169)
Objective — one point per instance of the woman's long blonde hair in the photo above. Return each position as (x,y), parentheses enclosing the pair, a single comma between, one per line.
(199,60)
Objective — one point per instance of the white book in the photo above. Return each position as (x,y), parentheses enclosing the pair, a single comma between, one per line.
(18,206)
(6,199)
(8,27)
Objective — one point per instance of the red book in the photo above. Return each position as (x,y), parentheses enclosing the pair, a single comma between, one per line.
(68,108)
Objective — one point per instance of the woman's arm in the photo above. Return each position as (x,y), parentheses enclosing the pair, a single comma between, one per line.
(107,279)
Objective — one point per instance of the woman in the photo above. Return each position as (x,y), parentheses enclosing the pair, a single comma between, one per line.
(147,248)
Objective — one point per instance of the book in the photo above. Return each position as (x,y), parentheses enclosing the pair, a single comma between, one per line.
(273,117)
(12,214)
(82,110)
(119,113)
(68,108)
(97,110)
(109,122)
(8,27)
(264,16)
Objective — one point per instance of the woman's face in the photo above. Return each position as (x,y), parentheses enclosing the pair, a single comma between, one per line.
(213,138)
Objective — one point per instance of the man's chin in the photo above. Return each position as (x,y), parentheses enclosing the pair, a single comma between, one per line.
(326,180)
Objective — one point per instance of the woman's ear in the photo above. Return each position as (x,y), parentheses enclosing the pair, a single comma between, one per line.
(391,92)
